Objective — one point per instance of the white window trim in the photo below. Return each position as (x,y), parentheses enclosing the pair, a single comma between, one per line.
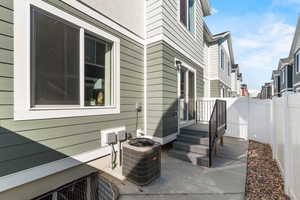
(185,28)
(22,107)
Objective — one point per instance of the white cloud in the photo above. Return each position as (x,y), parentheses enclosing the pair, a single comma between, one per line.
(263,47)
(259,41)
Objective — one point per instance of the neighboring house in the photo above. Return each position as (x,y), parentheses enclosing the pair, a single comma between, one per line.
(287,76)
(236,77)
(294,57)
(239,83)
(72,71)
(174,64)
(244,90)
(285,67)
(276,82)
(219,65)
(266,91)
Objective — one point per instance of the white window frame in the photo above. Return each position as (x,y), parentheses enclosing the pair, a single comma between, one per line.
(283,75)
(193,34)
(22,101)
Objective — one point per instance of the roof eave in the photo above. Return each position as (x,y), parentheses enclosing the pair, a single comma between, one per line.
(227,36)
(206,8)
(207,34)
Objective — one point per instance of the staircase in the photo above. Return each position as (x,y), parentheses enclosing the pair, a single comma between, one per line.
(192,145)
(197,143)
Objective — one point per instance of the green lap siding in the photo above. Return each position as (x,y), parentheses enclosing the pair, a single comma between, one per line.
(162,88)
(26,144)
(215,88)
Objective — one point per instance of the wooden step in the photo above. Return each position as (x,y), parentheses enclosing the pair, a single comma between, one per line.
(188,147)
(194,158)
(192,139)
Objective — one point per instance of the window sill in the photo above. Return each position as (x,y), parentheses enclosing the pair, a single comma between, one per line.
(52,113)
(72,108)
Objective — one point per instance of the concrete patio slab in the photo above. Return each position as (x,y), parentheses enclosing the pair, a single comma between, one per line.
(182,180)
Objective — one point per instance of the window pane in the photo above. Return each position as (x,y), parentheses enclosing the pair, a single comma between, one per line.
(183,12)
(222,59)
(90,50)
(55,61)
(191,16)
(98,75)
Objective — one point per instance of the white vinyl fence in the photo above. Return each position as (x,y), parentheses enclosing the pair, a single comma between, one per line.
(276,122)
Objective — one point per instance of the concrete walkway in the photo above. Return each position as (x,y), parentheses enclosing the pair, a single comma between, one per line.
(183,181)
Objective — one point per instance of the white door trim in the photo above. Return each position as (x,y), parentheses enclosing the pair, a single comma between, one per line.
(188,69)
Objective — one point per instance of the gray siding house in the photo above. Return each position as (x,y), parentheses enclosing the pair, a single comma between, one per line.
(285,67)
(220,64)
(52,120)
(175,64)
(295,58)
(236,78)
(71,71)
(287,76)
(276,83)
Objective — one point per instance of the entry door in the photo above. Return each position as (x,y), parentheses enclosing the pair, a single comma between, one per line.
(186,96)
(191,96)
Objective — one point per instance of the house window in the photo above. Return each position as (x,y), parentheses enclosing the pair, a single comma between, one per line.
(297,64)
(222,59)
(283,75)
(187,14)
(73,69)
(55,64)
(97,71)
(54,61)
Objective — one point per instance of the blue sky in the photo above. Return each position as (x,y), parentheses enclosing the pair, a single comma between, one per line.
(262,32)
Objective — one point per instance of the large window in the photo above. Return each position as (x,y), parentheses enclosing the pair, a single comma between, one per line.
(72,68)
(187,14)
